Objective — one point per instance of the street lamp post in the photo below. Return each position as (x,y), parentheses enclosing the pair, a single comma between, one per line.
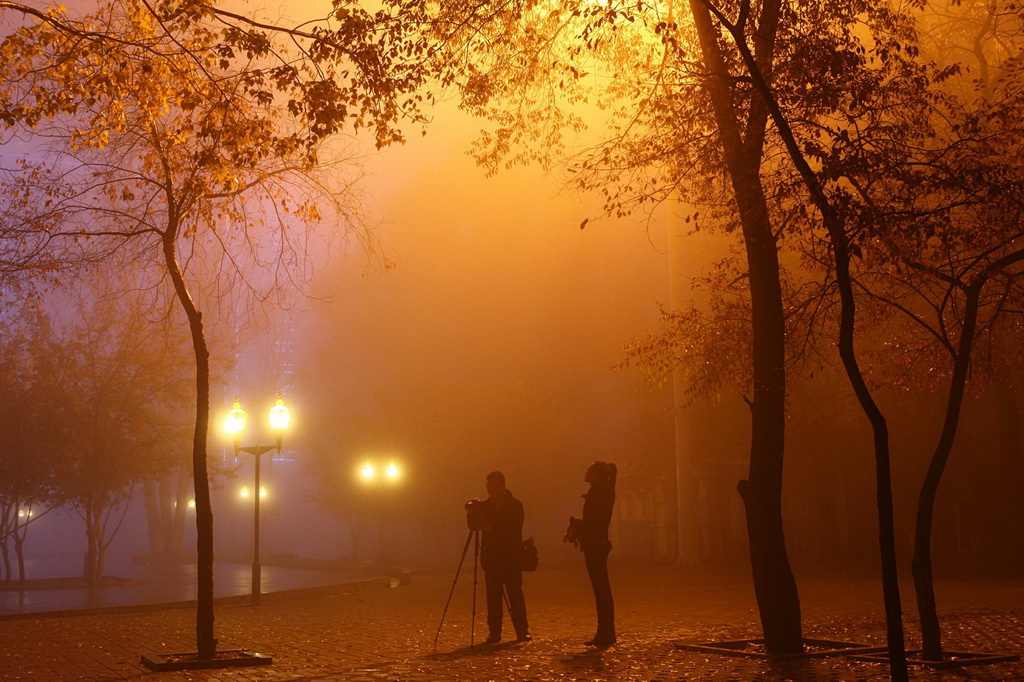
(234,424)
(372,475)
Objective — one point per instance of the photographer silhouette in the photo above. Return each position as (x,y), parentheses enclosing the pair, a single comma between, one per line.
(496,531)
(501,526)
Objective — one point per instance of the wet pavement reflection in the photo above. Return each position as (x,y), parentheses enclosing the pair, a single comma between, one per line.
(158,583)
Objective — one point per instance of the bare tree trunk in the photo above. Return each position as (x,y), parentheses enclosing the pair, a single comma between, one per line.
(5,552)
(89,567)
(206,643)
(895,637)
(166,512)
(774,584)
(100,558)
(836,230)
(921,567)
(6,526)
(176,540)
(154,517)
(890,582)
(19,546)
(1011,475)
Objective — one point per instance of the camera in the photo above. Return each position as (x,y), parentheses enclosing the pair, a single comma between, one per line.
(574,533)
(476,514)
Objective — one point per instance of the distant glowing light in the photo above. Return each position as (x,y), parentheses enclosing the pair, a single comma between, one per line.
(376,472)
(244,492)
(24,513)
(192,504)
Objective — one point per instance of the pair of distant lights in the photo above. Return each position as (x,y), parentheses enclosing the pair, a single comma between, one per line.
(244,492)
(369,472)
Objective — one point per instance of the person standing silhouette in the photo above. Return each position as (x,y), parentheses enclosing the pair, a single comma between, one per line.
(500,544)
(590,534)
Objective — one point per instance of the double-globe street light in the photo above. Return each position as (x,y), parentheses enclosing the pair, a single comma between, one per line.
(369,472)
(234,424)
(373,474)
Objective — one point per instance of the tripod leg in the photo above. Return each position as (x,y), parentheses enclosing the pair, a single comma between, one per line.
(465,548)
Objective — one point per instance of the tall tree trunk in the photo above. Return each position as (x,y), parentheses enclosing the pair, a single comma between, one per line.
(5,530)
(99,558)
(774,585)
(206,643)
(5,553)
(166,512)
(20,530)
(154,517)
(895,637)
(176,539)
(756,68)
(91,550)
(1011,475)
(921,567)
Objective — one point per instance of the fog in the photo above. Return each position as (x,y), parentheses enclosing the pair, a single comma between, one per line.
(493,342)
(490,345)
(490,340)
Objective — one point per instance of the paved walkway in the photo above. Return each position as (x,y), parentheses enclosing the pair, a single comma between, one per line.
(370,632)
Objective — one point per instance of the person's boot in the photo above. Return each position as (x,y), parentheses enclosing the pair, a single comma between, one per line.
(603,638)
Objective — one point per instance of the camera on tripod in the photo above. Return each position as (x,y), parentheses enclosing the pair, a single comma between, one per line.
(476,514)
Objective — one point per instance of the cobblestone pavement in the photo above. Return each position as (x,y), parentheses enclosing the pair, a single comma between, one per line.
(374,633)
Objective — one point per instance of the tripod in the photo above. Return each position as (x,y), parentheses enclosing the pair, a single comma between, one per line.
(474,536)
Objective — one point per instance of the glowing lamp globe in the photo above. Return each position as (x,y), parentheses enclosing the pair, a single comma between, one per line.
(279,416)
(236,418)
